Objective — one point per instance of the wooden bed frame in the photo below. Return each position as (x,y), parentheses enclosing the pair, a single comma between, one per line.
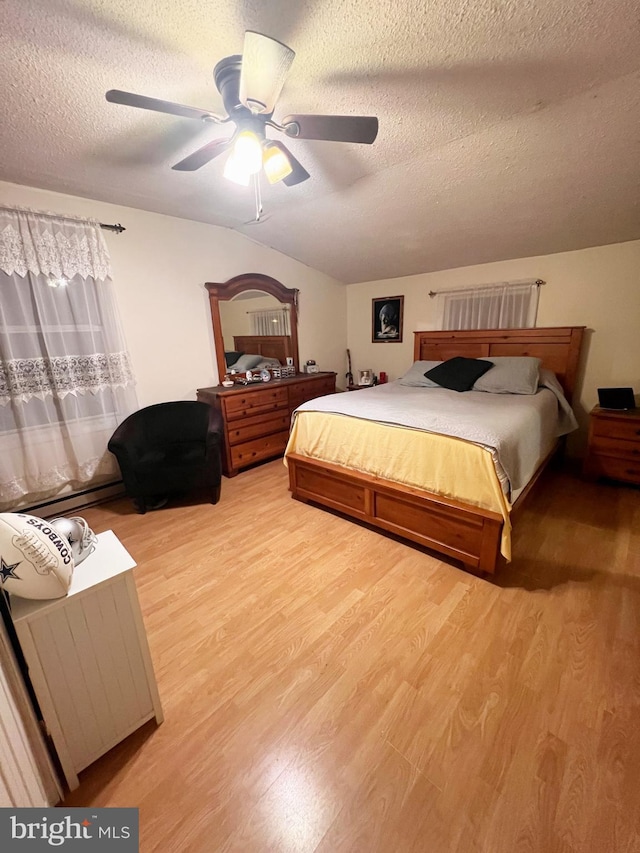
(451,528)
(269,346)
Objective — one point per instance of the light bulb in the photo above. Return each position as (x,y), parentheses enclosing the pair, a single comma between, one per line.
(276,164)
(247,150)
(235,171)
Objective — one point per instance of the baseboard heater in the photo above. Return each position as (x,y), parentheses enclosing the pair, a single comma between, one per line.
(74,501)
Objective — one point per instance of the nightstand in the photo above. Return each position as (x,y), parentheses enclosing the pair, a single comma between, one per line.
(614,445)
(88,658)
(358,387)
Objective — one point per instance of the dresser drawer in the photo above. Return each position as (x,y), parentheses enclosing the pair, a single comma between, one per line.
(615,447)
(615,468)
(326,386)
(256,402)
(628,430)
(261,448)
(299,394)
(244,430)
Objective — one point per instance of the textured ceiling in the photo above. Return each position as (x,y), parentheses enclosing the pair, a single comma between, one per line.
(507,127)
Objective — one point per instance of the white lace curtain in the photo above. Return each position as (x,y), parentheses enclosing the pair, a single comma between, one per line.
(270,322)
(507,305)
(65,375)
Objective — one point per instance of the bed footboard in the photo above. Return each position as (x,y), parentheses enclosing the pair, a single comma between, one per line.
(456,530)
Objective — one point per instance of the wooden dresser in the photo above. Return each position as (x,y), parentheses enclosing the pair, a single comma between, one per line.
(257,417)
(614,445)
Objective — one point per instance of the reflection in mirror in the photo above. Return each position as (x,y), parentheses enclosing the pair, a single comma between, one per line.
(253,315)
(250,315)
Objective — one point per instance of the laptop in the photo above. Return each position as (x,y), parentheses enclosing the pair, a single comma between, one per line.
(619,399)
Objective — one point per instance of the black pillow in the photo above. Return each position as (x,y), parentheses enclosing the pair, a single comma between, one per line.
(458,374)
(232,357)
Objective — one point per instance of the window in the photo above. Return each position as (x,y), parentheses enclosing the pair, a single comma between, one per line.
(274,321)
(65,376)
(507,305)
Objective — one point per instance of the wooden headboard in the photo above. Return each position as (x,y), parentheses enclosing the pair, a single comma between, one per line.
(559,348)
(269,346)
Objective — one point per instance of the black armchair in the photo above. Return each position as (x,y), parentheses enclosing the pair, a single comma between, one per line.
(169,448)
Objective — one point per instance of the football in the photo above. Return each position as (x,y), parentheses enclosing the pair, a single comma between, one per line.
(35,560)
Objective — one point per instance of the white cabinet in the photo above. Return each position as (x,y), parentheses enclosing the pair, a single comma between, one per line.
(88,658)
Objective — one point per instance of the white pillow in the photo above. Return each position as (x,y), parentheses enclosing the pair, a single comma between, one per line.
(510,375)
(415,376)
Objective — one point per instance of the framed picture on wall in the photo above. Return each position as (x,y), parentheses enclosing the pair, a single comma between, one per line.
(386,320)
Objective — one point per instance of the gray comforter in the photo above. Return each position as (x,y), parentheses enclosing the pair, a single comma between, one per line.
(519,429)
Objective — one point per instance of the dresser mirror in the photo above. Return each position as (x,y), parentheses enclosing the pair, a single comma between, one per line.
(256,315)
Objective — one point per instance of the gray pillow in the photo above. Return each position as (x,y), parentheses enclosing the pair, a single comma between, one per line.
(415,376)
(247,362)
(267,362)
(510,375)
(231,357)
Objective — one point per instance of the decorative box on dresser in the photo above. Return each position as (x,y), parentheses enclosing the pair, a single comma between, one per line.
(614,445)
(257,417)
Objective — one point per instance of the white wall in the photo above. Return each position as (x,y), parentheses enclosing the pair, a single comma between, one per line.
(598,288)
(160,264)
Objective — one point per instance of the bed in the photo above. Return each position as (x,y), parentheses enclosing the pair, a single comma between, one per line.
(272,347)
(473,528)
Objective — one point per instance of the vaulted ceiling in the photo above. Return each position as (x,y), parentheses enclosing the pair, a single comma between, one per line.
(507,127)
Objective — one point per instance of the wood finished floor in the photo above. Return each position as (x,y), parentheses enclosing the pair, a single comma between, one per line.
(327,689)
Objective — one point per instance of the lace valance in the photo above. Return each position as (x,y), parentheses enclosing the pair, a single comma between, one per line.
(57,247)
(24,378)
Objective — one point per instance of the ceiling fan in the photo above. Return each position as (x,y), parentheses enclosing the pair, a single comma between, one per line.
(250,86)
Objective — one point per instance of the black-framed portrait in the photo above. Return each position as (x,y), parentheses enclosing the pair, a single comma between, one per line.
(386,322)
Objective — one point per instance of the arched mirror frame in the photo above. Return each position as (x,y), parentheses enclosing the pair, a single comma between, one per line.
(223,292)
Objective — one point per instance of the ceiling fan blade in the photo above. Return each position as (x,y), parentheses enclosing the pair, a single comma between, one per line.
(202,156)
(128,99)
(363,129)
(299,173)
(265,65)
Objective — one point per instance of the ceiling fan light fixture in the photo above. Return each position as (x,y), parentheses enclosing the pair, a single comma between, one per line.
(247,150)
(236,172)
(276,164)
(265,65)
(250,85)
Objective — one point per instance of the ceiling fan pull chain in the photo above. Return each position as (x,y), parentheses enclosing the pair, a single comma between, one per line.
(258,196)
